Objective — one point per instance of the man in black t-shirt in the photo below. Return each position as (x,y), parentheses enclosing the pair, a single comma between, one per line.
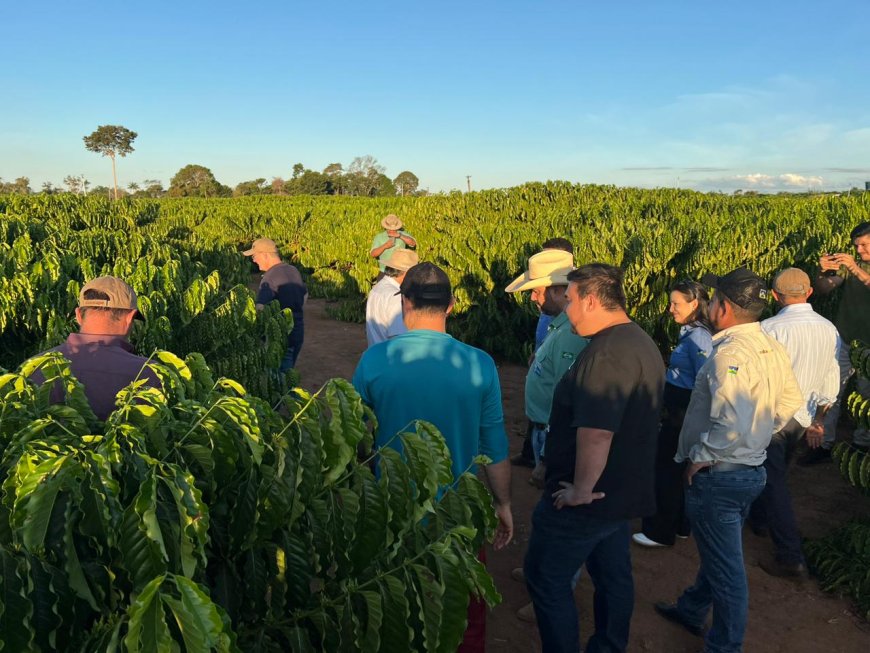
(283,282)
(601,453)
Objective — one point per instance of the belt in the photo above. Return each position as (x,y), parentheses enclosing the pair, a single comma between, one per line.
(727,467)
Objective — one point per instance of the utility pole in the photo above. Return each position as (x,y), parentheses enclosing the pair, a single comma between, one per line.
(468,180)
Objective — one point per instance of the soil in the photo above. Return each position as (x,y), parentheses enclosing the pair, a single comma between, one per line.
(784,616)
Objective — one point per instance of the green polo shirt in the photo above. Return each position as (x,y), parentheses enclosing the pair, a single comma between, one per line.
(553,358)
(853,312)
(382,238)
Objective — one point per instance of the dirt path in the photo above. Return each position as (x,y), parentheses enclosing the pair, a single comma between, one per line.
(784,617)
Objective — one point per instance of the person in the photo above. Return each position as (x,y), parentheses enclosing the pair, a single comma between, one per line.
(852,320)
(384,304)
(564,245)
(600,456)
(526,458)
(425,374)
(390,240)
(282,282)
(688,307)
(813,346)
(547,278)
(745,392)
(100,354)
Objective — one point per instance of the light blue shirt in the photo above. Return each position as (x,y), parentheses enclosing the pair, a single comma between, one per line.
(691,352)
(431,376)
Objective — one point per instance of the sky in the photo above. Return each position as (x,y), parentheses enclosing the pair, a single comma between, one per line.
(764,96)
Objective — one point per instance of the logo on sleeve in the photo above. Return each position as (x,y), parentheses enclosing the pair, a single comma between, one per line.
(732,369)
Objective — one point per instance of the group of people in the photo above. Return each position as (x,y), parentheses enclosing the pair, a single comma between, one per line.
(694,447)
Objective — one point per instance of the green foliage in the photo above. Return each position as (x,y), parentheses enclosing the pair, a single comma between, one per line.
(841,559)
(198,515)
(111,140)
(196,181)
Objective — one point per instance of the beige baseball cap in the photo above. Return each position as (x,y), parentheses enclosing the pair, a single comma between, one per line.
(262,246)
(547,268)
(392,222)
(403,260)
(792,281)
(119,293)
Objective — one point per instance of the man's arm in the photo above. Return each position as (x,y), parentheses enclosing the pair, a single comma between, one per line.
(593,447)
(848,261)
(498,475)
(408,239)
(376,249)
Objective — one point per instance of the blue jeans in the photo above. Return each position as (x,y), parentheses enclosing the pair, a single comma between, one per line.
(561,541)
(288,362)
(539,439)
(717,504)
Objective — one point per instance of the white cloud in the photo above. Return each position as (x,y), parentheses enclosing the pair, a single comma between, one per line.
(763,182)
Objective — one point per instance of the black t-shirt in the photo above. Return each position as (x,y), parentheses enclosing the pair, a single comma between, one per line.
(615,385)
(284,283)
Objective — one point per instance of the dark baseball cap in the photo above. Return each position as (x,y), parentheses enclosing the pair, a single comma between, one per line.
(742,286)
(426,284)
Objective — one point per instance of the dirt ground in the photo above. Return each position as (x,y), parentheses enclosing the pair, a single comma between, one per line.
(784,616)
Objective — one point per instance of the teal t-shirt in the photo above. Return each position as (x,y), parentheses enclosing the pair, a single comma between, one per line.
(431,376)
(380,239)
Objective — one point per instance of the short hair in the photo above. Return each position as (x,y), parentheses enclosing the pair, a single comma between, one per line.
(428,288)
(862,229)
(742,314)
(559,243)
(115,314)
(602,280)
(695,291)
(391,272)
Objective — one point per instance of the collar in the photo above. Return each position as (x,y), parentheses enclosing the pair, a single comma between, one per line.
(558,321)
(739,329)
(796,308)
(99,339)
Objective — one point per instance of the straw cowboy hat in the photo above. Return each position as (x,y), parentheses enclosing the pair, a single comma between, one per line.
(547,268)
(391,222)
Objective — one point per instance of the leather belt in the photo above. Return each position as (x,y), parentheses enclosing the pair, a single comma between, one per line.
(727,467)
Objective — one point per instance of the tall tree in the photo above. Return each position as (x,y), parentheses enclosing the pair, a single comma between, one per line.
(363,175)
(254,187)
(111,141)
(406,182)
(298,169)
(335,172)
(20,186)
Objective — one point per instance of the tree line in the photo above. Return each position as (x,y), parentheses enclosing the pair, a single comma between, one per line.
(364,177)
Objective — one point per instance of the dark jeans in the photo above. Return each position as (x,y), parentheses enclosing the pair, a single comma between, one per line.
(670,518)
(717,503)
(290,356)
(561,541)
(773,508)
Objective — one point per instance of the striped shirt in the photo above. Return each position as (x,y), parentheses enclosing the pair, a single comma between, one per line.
(813,345)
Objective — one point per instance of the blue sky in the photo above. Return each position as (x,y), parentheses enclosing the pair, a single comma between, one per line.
(714,96)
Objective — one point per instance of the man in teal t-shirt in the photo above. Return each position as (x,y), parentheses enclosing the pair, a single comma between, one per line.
(428,375)
(390,240)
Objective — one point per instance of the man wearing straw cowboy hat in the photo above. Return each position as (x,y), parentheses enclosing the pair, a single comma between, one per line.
(384,304)
(547,278)
(392,239)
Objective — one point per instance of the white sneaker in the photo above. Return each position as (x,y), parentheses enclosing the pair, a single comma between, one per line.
(643,540)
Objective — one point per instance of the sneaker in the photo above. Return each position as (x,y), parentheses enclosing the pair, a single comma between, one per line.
(527,614)
(815,456)
(643,540)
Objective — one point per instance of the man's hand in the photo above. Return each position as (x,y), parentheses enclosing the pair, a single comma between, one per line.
(815,435)
(694,468)
(504,532)
(572,496)
(392,233)
(846,260)
(827,263)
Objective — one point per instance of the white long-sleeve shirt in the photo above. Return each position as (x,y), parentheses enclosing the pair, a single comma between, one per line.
(813,345)
(744,393)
